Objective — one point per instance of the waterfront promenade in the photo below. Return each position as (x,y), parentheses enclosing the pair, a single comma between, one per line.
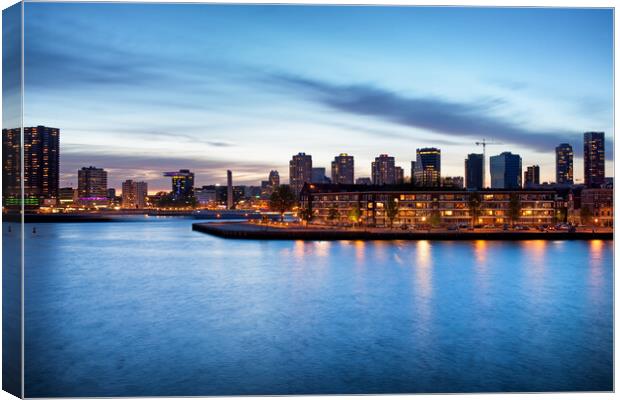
(246,230)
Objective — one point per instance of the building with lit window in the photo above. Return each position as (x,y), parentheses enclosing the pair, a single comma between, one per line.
(474,171)
(41,164)
(182,185)
(318,175)
(506,171)
(363,181)
(383,170)
(427,166)
(420,207)
(399,174)
(531,177)
(600,203)
(343,169)
(274,178)
(455,182)
(134,194)
(594,159)
(564,164)
(300,172)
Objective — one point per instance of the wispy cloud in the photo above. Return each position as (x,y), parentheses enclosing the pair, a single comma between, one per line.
(457,119)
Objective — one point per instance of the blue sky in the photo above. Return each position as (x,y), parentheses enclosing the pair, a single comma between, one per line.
(139,89)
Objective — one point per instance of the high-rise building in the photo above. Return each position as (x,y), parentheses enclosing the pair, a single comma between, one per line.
(474,171)
(182,184)
(274,178)
(300,172)
(427,171)
(383,170)
(400,175)
(41,162)
(531,176)
(134,194)
(594,159)
(506,171)
(229,191)
(413,172)
(455,182)
(363,181)
(564,164)
(92,183)
(342,169)
(318,175)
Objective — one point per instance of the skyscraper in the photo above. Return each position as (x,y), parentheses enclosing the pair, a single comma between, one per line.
(92,183)
(274,178)
(41,162)
(383,170)
(342,169)
(531,176)
(506,171)
(134,194)
(594,158)
(300,172)
(318,175)
(229,190)
(182,184)
(399,175)
(428,167)
(564,164)
(474,171)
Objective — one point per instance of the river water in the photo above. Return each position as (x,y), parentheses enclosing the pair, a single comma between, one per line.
(152,308)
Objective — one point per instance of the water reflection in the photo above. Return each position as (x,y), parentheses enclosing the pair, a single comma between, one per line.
(424,268)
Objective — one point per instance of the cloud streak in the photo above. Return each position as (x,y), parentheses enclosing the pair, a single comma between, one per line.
(456,119)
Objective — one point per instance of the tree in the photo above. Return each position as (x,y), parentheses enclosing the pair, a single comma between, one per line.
(561,214)
(333,214)
(474,207)
(435,219)
(391,210)
(355,214)
(514,207)
(305,214)
(586,215)
(282,200)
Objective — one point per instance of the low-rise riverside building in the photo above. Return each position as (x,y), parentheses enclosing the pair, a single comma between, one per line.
(412,206)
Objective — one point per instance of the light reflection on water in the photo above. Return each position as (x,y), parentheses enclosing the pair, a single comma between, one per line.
(183,313)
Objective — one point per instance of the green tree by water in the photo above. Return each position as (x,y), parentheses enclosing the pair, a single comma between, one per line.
(391,210)
(586,215)
(333,214)
(474,206)
(355,214)
(514,208)
(282,200)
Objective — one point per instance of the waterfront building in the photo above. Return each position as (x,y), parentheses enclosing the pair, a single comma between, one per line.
(400,175)
(206,196)
(425,206)
(134,194)
(363,181)
(600,203)
(564,164)
(455,182)
(300,172)
(229,191)
(474,171)
(531,177)
(182,185)
(66,196)
(427,171)
(41,160)
(506,171)
(383,170)
(318,175)
(93,183)
(594,159)
(343,169)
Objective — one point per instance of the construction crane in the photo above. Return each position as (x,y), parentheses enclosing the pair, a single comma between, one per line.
(484,144)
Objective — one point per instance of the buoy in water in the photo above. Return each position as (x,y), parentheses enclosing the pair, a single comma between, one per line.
(34,230)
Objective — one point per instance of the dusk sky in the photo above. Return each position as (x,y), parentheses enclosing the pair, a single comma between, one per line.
(139,89)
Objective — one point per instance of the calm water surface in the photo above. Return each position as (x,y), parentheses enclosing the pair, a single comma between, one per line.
(152,308)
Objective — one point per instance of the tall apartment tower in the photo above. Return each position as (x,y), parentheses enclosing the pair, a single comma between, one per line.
(229,190)
(134,194)
(182,184)
(41,162)
(428,167)
(474,171)
(564,164)
(300,172)
(506,171)
(383,170)
(92,183)
(343,170)
(531,176)
(274,178)
(594,158)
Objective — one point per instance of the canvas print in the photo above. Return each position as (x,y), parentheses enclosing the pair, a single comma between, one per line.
(243,199)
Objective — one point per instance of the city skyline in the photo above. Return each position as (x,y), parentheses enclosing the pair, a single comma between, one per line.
(383,86)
